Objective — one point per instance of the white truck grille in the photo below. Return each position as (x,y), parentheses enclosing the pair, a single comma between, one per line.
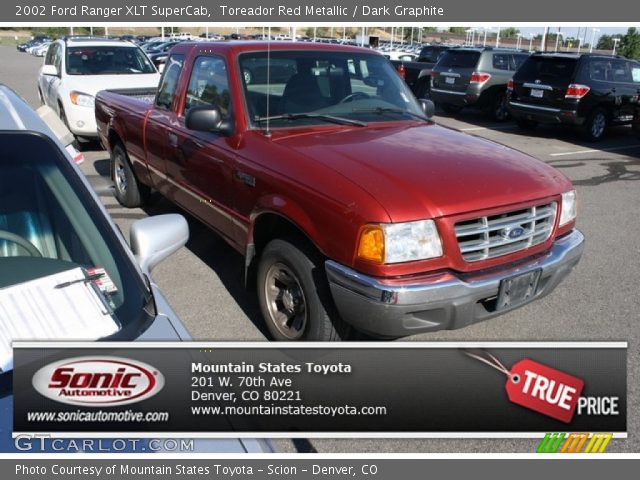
(488,237)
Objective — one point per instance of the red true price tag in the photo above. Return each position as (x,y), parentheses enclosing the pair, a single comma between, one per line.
(544,389)
(539,387)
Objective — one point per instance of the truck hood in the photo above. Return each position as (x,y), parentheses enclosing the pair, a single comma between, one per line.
(92,84)
(428,171)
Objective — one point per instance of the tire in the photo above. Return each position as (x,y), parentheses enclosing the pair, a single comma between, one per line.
(450,109)
(294,296)
(498,108)
(595,126)
(526,124)
(128,190)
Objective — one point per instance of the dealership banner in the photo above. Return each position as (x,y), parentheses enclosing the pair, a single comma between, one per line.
(288,11)
(399,389)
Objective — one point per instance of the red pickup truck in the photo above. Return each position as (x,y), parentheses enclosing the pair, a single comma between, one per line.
(352,208)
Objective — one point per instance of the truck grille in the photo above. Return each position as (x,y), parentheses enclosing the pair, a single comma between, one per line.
(488,237)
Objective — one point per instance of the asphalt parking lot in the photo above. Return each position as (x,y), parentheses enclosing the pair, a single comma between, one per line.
(599,301)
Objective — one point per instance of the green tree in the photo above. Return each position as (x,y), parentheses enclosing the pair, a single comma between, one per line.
(458,30)
(509,32)
(605,42)
(630,44)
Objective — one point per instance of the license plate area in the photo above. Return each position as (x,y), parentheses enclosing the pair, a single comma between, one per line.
(536,93)
(517,289)
(450,80)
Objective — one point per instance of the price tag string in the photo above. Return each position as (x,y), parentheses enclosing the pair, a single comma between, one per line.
(493,362)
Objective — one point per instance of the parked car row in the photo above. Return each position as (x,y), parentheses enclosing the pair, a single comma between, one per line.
(587,91)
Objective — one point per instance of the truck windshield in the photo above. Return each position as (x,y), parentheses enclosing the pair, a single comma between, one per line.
(50,224)
(107,60)
(308,87)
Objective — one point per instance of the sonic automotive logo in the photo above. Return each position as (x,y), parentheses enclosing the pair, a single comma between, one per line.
(98,381)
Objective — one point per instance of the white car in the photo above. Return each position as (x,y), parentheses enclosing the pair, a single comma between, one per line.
(75,69)
(40,50)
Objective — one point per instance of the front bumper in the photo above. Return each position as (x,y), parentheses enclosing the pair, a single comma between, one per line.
(82,120)
(430,302)
(543,114)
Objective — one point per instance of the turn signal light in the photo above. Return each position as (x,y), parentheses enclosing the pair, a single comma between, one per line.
(371,245)
(479,77)
(576,91)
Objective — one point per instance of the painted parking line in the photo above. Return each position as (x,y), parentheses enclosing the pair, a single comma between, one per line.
(592,150)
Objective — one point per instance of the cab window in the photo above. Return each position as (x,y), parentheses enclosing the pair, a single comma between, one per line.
(169,81)
(209,85)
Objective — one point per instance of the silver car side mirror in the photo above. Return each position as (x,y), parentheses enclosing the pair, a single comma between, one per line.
(153,239)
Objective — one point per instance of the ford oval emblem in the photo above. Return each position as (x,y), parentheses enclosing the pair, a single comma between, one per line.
(512,232)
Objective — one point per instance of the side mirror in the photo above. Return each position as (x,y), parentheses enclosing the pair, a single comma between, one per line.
(207,119)
(428,107)
(50,70)
(153,239)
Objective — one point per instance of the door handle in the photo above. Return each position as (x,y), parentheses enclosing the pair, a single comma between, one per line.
(172,139)
(613,90)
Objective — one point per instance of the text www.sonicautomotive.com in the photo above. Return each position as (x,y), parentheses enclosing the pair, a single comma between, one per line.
(98,416)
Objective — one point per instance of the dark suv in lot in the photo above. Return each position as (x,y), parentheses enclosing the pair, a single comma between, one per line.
(475,77)
(588,91)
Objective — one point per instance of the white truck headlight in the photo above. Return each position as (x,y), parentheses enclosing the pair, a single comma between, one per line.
(400,242)
(569,207)
(82,99)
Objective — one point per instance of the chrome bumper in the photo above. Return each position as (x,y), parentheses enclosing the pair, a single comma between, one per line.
(444,300)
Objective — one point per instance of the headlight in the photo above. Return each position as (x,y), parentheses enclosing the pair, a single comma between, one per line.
(400,242)
(82,99)
(569,207)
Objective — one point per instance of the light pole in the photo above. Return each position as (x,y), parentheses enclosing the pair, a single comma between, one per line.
(519,42)
(530,41)
(615,44)
(498,38)
(557,40)
(484,42)
(593,38)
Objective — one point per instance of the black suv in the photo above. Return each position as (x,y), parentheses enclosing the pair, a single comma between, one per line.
(475,77)
(588,91)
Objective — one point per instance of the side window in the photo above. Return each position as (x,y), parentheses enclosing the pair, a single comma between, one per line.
(57,57)
(518,60)
(48,60)
(635,73)
(169,81)
(501,61)
(621,71)
(209,85)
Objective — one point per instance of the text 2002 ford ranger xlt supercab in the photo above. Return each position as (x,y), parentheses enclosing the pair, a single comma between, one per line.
(351,207)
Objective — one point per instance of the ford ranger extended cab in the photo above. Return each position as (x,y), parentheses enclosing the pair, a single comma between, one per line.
(351,207)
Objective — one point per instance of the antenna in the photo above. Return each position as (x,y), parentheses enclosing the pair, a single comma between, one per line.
(267,132)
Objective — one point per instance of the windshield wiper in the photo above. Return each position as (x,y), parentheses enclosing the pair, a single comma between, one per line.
(381,110)
(321,116)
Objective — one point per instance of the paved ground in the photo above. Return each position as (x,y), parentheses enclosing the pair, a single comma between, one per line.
(599,301)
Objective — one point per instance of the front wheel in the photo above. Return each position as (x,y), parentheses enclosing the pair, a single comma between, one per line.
(128,191)
(294,296)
